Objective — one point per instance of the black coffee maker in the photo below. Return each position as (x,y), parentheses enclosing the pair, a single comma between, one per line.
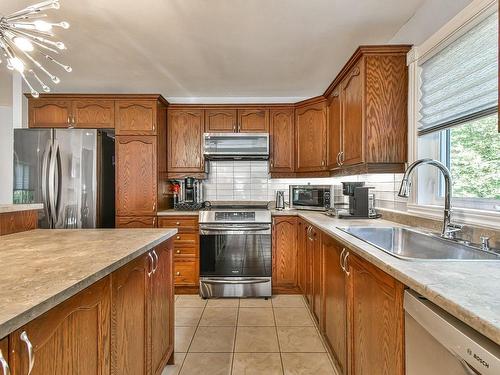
(359,201)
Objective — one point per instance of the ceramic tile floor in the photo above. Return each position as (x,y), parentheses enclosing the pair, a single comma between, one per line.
(247,336)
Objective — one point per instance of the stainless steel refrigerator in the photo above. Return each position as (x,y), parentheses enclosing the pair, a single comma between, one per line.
(70,171)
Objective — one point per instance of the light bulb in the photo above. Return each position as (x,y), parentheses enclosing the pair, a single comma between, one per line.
(17,64)
(41,25)
(64,24)
(60,45)
(35,93)
(23,44)
(55,79)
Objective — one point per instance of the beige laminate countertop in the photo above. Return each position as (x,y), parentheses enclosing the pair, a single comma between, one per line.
(5,208)
(174,212)
(469,290)
(42,268)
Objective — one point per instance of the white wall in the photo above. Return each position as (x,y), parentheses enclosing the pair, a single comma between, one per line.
(428,19)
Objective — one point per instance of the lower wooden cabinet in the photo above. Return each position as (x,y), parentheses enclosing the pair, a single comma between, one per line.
(135,221)
(302,228)
(71,338)
(284,257)
(375,317)
(335,302)
(317,274)
(19,221)
(4,355)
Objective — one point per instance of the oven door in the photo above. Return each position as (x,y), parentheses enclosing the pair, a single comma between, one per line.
(235,260)
(309,197)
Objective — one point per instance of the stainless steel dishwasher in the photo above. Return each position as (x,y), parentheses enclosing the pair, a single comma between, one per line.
(438,343)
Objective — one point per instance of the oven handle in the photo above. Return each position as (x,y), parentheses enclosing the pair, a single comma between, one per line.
(235,230)
(248,281)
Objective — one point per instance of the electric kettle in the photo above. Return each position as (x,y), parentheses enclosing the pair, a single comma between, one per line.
(280,200)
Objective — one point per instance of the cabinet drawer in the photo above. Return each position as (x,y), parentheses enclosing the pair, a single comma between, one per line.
(183,251)
(183,224)
(186,239)
(186,272)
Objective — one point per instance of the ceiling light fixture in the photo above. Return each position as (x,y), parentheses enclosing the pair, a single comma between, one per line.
(24,36)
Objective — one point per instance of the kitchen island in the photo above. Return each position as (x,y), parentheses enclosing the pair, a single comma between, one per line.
(105,291)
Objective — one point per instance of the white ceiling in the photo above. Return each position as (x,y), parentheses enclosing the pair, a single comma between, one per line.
(281,49)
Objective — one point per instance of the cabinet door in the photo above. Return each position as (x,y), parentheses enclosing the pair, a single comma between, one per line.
(4,352)
(136,176)
(93,114)
(285,252)
(282,142)
(308,267)
(301,254)
(254,120)
(135,117)
(186,271)
(162,308)
(136,221)
(222,120)
(71,338)
(335,302)
(131,317)
(334,130)
(317,276)
(310,138)
(185,140)
(352,116)
(375,316)
(49,113)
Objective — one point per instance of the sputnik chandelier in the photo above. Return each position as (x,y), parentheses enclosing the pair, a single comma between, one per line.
(25,38)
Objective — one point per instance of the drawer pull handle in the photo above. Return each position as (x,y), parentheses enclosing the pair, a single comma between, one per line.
(178,273)
(178,237)
(4,364)
(178,251)
(29,346)
(177,223)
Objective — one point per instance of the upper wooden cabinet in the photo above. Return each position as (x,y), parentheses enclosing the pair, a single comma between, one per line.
(136,176)
(220,120)
(185,140)
(310,137)
(367,112)
(253,120)
(72,338)
(49,113)
(284,255)
(90,113)
(136,117)
(282,140)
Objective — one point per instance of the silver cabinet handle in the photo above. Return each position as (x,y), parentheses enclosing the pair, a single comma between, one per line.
(346,266)
(342,259)
(234,128)
(31,354)
(338,159)
(154,206)
(69,120)
(4,364)
(157,261)
(152,264)
(342,158)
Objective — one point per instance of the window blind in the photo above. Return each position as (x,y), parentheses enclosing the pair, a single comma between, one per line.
(462,79)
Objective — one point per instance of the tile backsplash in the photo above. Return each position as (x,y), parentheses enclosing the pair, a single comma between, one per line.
(250,180)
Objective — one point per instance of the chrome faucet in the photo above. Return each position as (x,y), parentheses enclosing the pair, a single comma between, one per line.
(449,229)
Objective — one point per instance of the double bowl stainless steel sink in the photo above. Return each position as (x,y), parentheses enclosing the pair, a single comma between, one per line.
(410,244)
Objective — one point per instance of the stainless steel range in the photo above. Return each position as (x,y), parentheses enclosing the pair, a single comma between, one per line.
(235,251)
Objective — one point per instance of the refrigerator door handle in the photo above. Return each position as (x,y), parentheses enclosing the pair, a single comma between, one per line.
(58,181)
(52,183)
(45,177)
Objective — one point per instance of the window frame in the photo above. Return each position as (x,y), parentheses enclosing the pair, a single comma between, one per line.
(469,17)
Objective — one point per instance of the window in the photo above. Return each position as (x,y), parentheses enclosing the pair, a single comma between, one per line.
(457,119)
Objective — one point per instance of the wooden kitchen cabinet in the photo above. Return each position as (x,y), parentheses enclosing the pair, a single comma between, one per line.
(185,140)
(135,221)
(49,113)
(71,338)
(221,120)
(335,301)
(136,117)
(162,309)
(317,275)
(284,257)
(18,221)
(93,113)
(136,175)
(310,137)
(367,112)
(253,120)
(282,140)
(302,228)
(131,317)
(4,351)
(375,319)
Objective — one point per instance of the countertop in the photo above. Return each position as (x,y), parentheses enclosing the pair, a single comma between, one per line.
(5,208)
(42,268)
(174,212)
(469,290)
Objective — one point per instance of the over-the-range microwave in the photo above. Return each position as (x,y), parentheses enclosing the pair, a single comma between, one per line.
(311,197)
